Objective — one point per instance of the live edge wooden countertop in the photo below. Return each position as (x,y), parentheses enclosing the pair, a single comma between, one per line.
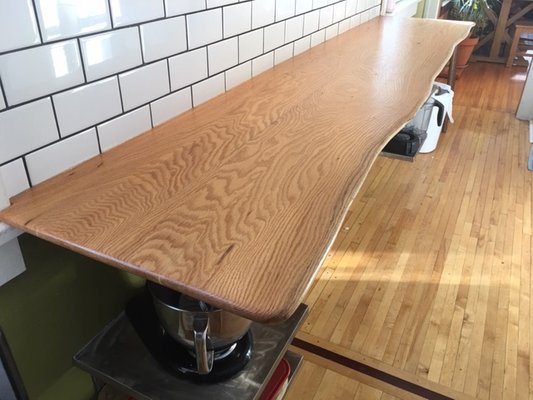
(237,201)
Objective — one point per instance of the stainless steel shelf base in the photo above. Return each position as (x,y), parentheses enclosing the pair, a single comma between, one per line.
(118,357)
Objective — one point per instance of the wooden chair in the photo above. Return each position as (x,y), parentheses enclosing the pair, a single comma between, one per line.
(519,45)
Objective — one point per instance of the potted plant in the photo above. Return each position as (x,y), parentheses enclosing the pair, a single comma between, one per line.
(469,10)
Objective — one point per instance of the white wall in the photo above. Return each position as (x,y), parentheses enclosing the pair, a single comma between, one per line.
(525,108)
(78,77)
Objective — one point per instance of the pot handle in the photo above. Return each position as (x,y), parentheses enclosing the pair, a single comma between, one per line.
(204,357)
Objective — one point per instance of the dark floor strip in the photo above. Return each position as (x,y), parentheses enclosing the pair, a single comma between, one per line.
(370,371)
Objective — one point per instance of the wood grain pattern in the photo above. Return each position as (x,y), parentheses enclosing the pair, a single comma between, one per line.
(237,201)
(429,279)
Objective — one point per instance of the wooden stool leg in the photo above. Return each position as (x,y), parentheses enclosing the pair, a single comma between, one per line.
(514,46)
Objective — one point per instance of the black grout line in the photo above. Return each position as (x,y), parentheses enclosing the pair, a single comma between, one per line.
(82,60)
(141,44)
(152,20)
(55,117)
(3,93)
(160,59)
(110,14)
(151,116)
(169,80)
(98,139)
(120,94)
(37,21)
(190,86)
(26,170)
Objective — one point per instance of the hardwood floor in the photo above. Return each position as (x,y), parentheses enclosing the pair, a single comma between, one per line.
(430,278)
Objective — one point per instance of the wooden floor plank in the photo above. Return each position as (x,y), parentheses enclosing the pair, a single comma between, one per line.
(430,278)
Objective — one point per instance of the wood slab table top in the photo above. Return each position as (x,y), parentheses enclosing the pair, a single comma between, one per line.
(237,201)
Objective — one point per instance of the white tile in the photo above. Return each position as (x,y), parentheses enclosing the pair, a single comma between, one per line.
(163,38)
(339,11)
(285,9)
(302,45)
(344,26)
(208,89)
(294,28)
(263,63)
(311,22)
(18,25)
(26,128)
(2,102)
(88,105)
(332,31)
(14,177)
(188,68)
(171,106)
(39,71)
(303,6)
(218,3)
(351,7)
(355,21)
(250,45)
(223,55)
(178,7)
(123,128)
(274,36)
(283,53)
(144,84)
(318,37)
(111,52)
(319,3)
(60,19)
(126,12)
(326,17)
(237,19)
(263,12)
(60,156)
(238,75)
(204,27)
(361,6)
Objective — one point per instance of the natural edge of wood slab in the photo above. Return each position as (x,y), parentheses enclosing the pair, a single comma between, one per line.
(238,201)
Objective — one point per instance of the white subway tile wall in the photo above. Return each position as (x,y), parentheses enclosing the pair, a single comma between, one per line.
(18,25)
(51,160)
(179,7)
(223,55)
(294,28)
(283,53)
(127,12)
(60,19)
(204,27)
(188,68)
(250,45)
(26,128)
(238,75)
(205,90)
(263,12)
(237,19)
(111,52)
(144,84)
(78,77)
(14,176)
(123,128)
(88,105)
(170,106)
(274,36)
(262,63)
(39,71)
(163,38)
